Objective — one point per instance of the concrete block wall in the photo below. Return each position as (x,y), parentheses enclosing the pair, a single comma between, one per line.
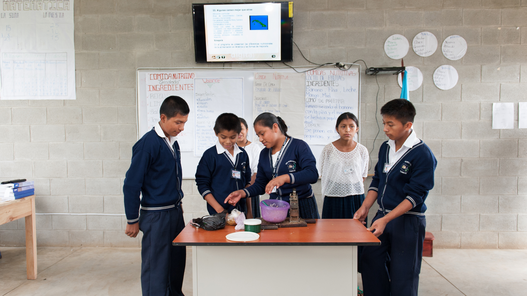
(78,151)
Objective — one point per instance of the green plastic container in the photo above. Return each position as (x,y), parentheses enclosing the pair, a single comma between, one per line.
(253,225)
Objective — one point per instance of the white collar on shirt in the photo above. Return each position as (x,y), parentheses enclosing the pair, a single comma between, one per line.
(161,134)
(220,149)
(410,142)
(394,156)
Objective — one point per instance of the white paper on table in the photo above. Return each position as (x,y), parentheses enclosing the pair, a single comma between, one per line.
(522,115)
(503,116)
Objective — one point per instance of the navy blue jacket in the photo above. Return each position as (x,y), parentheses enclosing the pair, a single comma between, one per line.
(411,178)
(214,175)
(155,172)
(297,160)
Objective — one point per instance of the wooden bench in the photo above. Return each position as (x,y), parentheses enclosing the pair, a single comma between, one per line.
(428,245)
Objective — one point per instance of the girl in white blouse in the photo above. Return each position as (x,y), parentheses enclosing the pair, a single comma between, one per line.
(253,150)
(343,167)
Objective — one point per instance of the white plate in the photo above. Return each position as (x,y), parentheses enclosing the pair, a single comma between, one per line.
(242,236)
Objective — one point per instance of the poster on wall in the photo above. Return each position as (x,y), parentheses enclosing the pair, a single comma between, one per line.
(37,53)
(158,85)
(454,47)
(396,46)
(329,93)
(309,102)
(445,77)
(424,44)
(502,115)
(522,115)
(414,79)
(212,97)
(283,95)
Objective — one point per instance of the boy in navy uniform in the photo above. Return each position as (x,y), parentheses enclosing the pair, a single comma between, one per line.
(404,175)
(155,172)
(223,168)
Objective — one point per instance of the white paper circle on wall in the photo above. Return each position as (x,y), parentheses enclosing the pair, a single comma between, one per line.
(445,77)
(414,79)
(396,46)
(424,44)
(454,47)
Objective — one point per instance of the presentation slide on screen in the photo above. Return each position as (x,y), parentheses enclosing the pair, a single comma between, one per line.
(242,32)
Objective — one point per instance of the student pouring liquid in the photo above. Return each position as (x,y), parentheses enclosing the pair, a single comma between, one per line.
(285,163)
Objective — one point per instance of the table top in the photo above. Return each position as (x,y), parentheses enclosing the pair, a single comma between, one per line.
(16,209)
(327,232)
(15,201)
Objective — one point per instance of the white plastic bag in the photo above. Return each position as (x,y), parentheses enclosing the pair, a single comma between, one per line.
(231,218)
(239,222)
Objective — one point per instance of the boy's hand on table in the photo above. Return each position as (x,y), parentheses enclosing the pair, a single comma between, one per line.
(219,209)
(377,228)
(132,230)
(234,197)
(361,215)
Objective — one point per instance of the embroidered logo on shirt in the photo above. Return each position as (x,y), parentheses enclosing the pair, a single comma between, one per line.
(291,165)
(405,167)
(244,165)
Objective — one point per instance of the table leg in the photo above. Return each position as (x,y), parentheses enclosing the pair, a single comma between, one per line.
(195,270)
(354,280)
(31,243)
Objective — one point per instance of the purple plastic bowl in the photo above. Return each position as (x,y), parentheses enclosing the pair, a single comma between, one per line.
(275,211)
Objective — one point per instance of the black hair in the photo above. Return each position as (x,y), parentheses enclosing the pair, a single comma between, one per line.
(347,115)
(242,121)
(268,119)
(227,122)
(402,109)
(173,106)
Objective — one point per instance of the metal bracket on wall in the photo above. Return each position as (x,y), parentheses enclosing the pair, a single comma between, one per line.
(384,70)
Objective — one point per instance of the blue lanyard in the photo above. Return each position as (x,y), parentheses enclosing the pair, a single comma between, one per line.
(275,166)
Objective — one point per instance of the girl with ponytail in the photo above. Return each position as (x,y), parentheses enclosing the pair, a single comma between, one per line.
(285,164)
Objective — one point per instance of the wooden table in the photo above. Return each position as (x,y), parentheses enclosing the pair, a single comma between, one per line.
(320,259)
(16,209)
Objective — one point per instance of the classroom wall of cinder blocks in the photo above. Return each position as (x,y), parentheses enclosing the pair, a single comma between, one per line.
(77,152)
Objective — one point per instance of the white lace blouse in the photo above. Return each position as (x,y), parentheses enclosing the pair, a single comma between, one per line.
(343,172)
(253,150)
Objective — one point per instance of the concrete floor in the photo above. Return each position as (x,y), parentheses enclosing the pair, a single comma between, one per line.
(116,271)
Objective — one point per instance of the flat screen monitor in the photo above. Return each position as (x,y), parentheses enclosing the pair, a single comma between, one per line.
(243,32)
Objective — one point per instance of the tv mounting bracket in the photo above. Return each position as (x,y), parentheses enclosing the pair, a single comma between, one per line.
(384,70)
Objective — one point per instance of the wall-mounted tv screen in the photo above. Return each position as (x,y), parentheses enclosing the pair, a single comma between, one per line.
(243,32)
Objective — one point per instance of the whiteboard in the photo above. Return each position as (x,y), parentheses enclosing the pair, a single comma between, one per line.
(37,52)
(308,102)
